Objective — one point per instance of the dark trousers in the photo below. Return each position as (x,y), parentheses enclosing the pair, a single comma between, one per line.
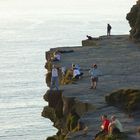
(100,133)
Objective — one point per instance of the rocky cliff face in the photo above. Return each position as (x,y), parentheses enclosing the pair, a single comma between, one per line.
(133,18)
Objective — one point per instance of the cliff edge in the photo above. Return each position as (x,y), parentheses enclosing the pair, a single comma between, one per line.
(118,59)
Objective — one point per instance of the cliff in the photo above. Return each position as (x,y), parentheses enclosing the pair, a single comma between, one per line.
(134,21)
(118,59)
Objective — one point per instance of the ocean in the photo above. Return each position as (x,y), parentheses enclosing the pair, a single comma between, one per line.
(29,28)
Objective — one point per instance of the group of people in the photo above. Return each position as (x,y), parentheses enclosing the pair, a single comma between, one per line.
(75,70)
(77,74)
(109,127)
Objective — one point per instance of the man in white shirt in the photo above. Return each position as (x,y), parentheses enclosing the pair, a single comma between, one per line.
(54,78)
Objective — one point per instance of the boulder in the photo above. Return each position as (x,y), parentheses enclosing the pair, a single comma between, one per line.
(133,18)
(127,99)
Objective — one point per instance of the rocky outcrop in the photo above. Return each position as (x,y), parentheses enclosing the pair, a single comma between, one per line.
(88,42)
(127,99)
(59,111)
(134,21)
(112,137)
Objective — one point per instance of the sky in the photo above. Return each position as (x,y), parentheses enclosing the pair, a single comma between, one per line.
(60,4)
(17,8)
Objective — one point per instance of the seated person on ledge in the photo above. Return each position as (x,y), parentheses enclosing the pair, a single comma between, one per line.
(104,126)
(115,126)
(76,73)
(57,56)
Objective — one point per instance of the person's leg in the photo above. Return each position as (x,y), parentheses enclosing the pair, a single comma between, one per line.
(57,83)
(52,83)
(109,32)
(94,84)
(91,83)
(115,130)
(110,130)
(99,133)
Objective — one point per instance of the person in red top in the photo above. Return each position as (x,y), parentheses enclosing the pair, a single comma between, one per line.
(105,123)
(104,126)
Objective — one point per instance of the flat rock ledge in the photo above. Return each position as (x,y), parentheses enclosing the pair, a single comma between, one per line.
(118,59)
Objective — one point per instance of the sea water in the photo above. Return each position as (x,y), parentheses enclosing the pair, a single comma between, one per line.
(28,28)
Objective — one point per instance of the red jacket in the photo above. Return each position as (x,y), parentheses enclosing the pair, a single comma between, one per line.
(106,124)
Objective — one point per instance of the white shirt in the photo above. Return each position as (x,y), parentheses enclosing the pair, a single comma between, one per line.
(63,69)
(54,72)
(57,56)
(76,72)
(118,125)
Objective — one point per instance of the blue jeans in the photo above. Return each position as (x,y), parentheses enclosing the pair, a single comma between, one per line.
(54,83)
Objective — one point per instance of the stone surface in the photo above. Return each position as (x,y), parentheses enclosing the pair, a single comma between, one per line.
(118,59)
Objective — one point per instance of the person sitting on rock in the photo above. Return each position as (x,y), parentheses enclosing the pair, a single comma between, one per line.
(54,78)
(95,73)
(57,56)
(115,126)
(76,73)
(104,126)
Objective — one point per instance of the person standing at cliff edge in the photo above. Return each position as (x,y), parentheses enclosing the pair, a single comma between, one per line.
(109,29)
(54,78)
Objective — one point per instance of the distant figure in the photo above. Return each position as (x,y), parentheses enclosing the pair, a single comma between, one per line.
(89,37)
(54,78)
(63,70)
(109,29)
(76,72)
(77,66)
(104,126)
(95,73)
(115,126)
(57,56)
